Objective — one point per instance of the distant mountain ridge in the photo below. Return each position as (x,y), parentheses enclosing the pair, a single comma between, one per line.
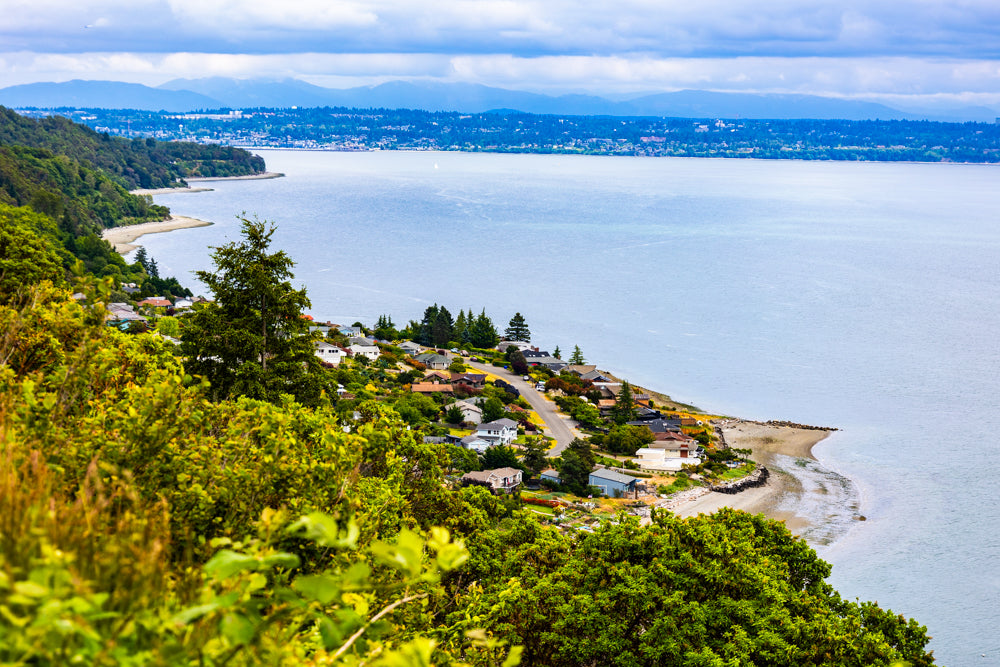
(186,95)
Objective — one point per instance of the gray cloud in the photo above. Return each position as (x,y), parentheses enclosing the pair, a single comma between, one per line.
(849,47)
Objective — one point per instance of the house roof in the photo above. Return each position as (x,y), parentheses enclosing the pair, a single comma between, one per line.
(612,476)
(498,424)
(550,472)
(156,302)
(580,369)
(465,405)
(428,357)
(431,387)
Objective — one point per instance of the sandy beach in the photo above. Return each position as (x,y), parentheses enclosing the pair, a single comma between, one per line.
(767,443)
(174,191)
(122,238)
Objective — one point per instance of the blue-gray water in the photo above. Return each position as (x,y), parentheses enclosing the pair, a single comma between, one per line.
(863,296)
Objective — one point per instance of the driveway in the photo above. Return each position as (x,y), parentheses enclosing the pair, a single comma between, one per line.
(558,426)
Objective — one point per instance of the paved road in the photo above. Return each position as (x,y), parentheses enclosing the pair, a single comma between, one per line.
(559,427)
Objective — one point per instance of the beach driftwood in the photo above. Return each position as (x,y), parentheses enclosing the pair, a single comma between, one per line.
(755,479)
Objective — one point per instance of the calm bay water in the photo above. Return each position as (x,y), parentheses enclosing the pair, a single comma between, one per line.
(862,296)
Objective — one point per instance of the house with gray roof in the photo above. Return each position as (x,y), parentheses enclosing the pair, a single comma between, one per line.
(612,484)
(499,432)
(433,360)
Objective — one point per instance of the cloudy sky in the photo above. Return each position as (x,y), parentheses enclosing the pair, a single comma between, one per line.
(893,50)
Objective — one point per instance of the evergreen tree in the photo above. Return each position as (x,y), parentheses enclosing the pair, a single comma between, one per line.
(461,324)
(558,353)
(443,328)
(252,340)
(517,329)
(576,466)
(426,336)
(624,410)
(483,333)
(577,356)
(534,460)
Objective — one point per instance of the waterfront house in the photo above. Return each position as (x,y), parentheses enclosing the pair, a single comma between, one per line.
(499,432)
(500,480)
(612,484)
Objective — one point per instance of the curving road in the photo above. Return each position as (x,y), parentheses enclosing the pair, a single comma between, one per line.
(558,426)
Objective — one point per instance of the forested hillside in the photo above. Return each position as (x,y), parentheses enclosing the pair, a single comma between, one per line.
(79,179)
(132,163)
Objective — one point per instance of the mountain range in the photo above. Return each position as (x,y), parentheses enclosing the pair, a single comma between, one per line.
(185,95)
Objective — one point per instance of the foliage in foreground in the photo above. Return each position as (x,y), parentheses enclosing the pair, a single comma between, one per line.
(142,523)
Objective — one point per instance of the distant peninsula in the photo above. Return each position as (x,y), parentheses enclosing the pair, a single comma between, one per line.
(506,131)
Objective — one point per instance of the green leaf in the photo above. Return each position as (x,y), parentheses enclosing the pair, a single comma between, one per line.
(226,563)
(320,587)
(237,628)
(514,657)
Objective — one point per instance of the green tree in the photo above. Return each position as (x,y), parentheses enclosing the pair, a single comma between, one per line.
(577,356)
(624,410)
(517,329)
(500,456)
(27,256)
(443,328)
(625,439)
(454,415)
(385,329)
(252,340)
(534,459)
(169,326)
(557,353)
(493,409)
(482,332)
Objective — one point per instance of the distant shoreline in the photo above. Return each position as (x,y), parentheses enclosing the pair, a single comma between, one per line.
(123,238)
(207,179)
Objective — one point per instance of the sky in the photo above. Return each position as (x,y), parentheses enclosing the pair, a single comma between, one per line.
(944,52)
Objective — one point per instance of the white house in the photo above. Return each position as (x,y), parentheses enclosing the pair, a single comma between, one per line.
(476,444)
(371,352)
(666,458)
(328,352)
(470,411)
(501,480)
(500,432)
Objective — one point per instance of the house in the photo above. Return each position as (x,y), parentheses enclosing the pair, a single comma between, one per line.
(476,444)
(437,376)
(433,360)
(470,380)
(671,458)
(500,480)
(611,483)
(518,344)
(328,352)
(182,304)
(500,432)
(123,312)
(659,425)
(596,376)
(322,329)
(368,350)
(580,370)
(352,331)
(551,474)
(431,388)
(409,347)
(155,302)
(535,353)
(470,411)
